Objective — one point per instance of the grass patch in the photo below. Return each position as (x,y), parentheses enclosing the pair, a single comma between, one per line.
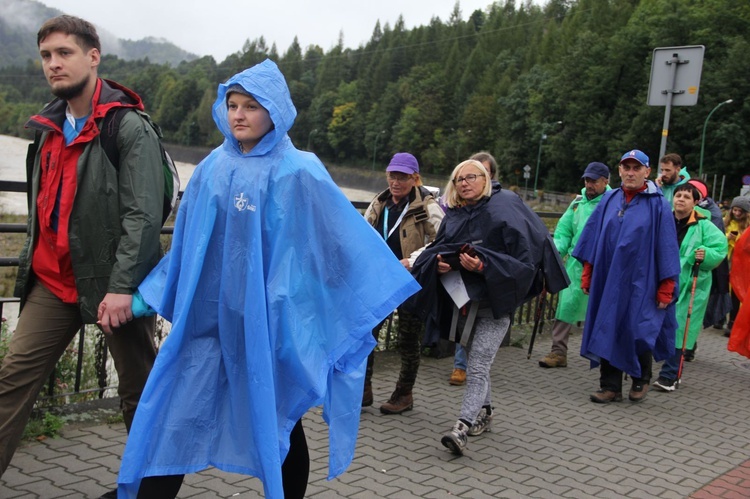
(48,426)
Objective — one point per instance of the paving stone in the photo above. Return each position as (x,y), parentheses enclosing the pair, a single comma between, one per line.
(548,440)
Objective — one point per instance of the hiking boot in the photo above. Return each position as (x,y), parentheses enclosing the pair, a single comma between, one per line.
(481,424)
(367,398)
(606,396)
(665,385)
(638,392)
(455,440)
(400,401)
(458,377)
(554,359)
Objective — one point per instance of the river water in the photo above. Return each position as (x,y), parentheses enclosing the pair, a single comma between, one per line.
(13,161)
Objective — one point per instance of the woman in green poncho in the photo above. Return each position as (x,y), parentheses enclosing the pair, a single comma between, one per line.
(700,241)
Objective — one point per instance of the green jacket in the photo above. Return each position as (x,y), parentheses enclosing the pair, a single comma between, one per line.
(115,223)
(701,233)
(572,302)
(668,190)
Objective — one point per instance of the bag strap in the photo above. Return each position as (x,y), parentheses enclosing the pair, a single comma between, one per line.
(109,128)
(31,153)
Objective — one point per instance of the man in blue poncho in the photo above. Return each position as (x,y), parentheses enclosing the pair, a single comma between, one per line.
(631,266)
(269,288)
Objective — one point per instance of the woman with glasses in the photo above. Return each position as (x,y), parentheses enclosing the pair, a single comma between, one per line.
(492,249)
(407,217)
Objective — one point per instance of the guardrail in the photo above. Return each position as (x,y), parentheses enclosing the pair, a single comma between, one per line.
(523,315)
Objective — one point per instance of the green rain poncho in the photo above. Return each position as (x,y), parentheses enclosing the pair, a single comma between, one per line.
(572,302)
(701,233)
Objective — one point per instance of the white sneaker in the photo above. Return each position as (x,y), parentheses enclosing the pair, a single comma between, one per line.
(665,385)
(481,424)
(455,440)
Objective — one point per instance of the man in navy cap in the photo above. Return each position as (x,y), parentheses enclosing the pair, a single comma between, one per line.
(572,302)
(630,271)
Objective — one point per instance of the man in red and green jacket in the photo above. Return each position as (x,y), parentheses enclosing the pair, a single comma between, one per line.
(93,229)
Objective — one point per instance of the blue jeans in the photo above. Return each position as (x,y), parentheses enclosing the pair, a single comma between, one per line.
(459,360)
(671,366)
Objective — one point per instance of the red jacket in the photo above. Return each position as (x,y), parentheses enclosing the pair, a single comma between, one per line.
(51,258)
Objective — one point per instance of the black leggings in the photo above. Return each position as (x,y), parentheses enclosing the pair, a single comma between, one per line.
(294,473)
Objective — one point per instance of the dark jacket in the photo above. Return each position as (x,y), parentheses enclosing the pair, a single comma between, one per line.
(420,223)
(115,222)
(515,246)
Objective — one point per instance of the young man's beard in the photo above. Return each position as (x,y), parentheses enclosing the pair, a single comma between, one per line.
(71,91)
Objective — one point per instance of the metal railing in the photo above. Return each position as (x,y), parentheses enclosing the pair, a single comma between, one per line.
(523,315)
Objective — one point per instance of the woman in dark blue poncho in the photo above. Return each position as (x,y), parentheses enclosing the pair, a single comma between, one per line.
(502,253)
(268,286)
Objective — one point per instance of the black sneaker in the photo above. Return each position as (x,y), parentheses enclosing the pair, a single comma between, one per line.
(690,353)
(665,385)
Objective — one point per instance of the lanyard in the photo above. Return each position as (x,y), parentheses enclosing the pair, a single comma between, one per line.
(387,233)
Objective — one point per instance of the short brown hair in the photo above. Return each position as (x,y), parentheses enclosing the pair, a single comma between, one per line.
(84,31)
(673,158)
(483,156)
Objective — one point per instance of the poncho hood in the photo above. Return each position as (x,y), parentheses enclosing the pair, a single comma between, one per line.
(267,85)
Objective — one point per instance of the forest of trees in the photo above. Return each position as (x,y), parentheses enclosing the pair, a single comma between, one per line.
(494,80)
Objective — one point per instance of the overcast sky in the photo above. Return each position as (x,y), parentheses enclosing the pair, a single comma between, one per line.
(221,28)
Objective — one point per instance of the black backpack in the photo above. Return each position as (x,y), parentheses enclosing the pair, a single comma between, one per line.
(109,128)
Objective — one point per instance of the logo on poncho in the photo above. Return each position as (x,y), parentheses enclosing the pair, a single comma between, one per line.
(242,204)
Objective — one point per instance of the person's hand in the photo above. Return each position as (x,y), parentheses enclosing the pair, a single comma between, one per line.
(114,311)
(442,267)
(405,263)
(661,305)
(700,255)
(470,263)
(585,291)
(732,236)
(658,180)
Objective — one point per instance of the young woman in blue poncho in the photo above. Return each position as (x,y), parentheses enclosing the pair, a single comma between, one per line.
(268,286)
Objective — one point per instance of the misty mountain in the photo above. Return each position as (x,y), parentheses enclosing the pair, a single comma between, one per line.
(20,20)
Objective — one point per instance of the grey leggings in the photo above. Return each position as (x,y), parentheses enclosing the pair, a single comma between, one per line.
(487,337)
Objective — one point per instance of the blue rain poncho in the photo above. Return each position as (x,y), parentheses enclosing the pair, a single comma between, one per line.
(273,285)
(632,247)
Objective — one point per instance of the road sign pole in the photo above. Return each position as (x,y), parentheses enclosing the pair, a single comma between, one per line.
(673,63)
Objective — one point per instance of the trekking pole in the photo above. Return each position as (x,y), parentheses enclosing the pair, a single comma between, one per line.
(537,320)
(696,265)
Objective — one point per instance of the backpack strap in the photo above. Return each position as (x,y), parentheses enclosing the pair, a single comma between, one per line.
(31,152)
(109,127)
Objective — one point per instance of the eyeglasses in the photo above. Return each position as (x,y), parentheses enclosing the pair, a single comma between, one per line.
(470,178)
(399,177)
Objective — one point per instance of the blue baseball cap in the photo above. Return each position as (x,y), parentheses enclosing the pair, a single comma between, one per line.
(637,155)
(596,170)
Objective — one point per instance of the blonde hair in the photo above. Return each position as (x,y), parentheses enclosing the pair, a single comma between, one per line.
(452,198)
(417,178)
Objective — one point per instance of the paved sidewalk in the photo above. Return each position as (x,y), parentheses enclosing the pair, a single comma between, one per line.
(548,440)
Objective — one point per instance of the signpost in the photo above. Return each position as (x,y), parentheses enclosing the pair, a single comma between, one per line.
(526,176)
(675,81)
